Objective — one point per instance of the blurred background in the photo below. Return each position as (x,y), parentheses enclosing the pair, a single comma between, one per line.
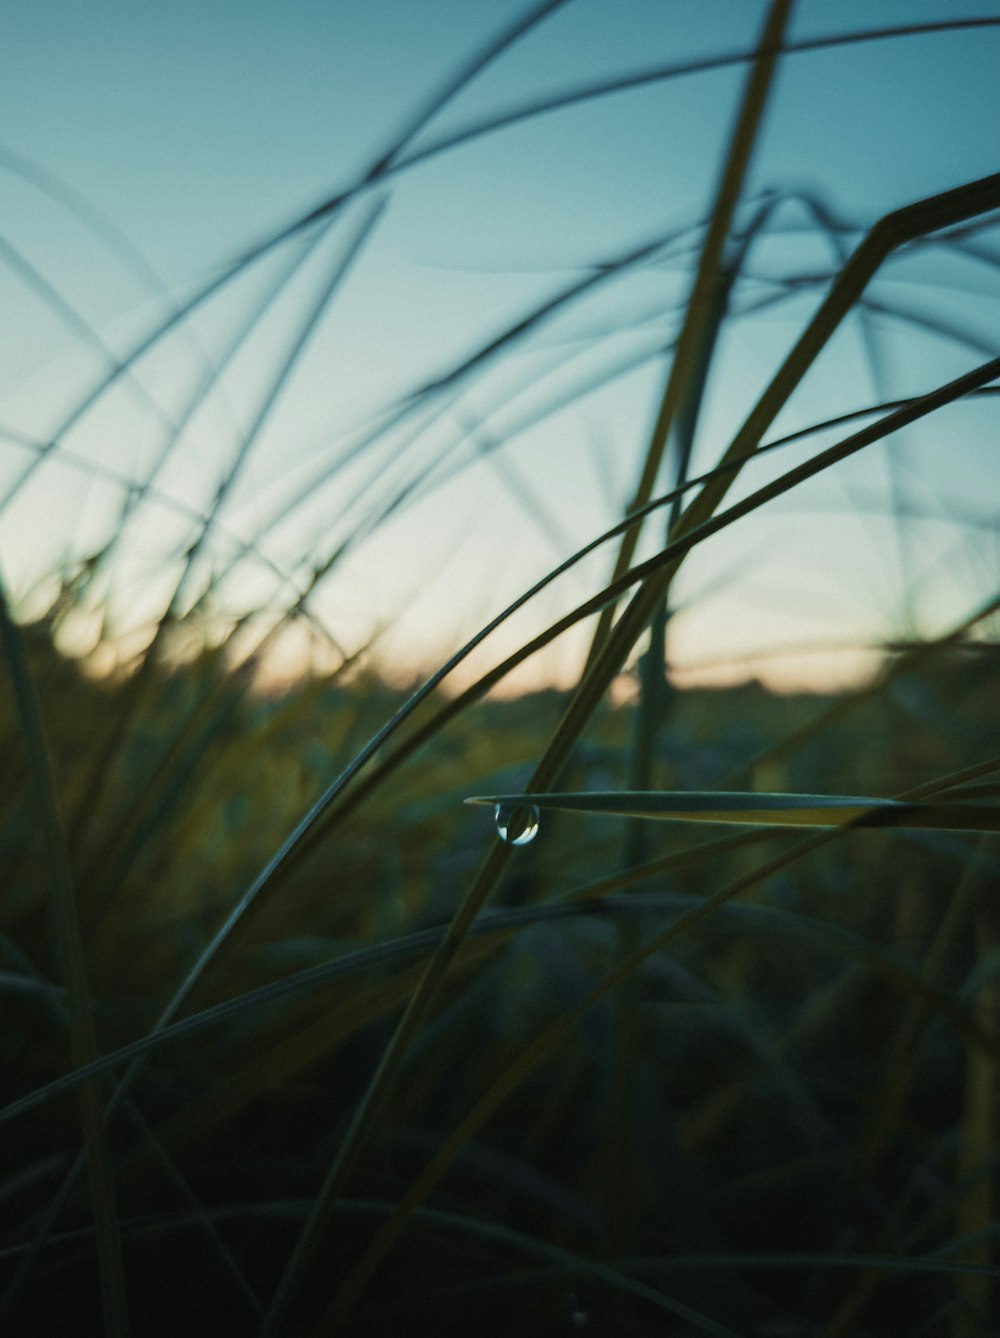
(433,394)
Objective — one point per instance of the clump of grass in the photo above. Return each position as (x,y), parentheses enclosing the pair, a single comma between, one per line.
(296,1045)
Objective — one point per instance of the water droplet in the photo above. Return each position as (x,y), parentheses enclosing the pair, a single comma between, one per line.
(517,824)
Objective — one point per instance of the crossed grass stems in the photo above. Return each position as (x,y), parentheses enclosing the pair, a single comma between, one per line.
(722,245)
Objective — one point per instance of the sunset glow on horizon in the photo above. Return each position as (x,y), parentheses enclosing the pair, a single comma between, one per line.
(402,415)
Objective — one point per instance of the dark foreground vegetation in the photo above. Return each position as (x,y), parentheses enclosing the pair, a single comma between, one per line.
(292,1043)
(798,1136)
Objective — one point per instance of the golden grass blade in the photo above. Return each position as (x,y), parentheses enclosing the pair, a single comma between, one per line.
(705,317)
(703,309)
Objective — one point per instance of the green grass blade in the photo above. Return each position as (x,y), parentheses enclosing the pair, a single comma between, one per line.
(683,397)
(771,810)
(83,1038)
(708,292)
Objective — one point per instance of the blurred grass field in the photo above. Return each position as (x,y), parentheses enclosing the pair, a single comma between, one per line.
(294,1044)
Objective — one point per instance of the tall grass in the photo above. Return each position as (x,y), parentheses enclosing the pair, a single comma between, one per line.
(296,1044)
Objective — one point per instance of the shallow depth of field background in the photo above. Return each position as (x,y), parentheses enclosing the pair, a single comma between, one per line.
(283,423)
(200,133)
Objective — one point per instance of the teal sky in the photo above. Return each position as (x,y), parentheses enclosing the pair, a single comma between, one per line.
(200,130)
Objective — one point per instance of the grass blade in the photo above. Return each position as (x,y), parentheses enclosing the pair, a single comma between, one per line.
(771,810)
(81,1020)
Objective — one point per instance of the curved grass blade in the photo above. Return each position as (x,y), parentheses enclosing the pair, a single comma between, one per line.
(165,500)
(68,315)
(479,689)
(886,236)
(380,167)
(719,267)
(360,960)
(630,626)
(530,109)
(786,290)
(709,291)
(103,764)
(308,826)
(456,375)
(391,162)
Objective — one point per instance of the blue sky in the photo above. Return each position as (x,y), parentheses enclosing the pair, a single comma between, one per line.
(200,130)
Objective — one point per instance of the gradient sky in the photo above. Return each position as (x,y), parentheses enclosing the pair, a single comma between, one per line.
(199,130)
